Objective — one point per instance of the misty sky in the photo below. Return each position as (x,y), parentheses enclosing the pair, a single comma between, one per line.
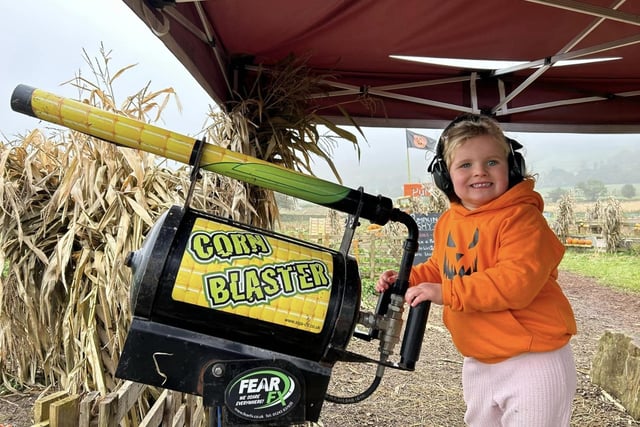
(42,47)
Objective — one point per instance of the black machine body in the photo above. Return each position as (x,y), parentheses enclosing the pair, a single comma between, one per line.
(212,295)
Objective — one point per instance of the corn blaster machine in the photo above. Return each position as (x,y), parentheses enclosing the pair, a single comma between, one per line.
(251,320)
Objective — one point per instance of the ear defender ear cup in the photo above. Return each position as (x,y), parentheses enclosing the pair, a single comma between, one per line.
(441,178)
(517,166)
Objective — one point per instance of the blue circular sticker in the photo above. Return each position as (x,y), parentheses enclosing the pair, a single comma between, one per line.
(263,393)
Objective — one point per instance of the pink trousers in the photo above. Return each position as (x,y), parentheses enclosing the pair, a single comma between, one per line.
(529,390)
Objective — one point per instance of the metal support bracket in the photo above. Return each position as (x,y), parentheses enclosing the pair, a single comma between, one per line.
(353,221)
(194,162)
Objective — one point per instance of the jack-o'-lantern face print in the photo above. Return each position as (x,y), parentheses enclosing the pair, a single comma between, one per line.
(461,258)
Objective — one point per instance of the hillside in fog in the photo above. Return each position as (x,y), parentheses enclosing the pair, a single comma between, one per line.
(558,160)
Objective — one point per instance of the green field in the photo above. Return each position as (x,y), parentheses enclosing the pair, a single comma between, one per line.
(621,270)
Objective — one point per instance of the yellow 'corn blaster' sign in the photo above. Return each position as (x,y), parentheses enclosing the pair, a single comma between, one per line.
(252,275)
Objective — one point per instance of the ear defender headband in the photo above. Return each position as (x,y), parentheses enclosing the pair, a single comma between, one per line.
(438,166)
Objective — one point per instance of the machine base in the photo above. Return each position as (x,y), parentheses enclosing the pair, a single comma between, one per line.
(225,372)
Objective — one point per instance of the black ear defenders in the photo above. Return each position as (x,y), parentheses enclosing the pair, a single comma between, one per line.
(440,173)
(517,166)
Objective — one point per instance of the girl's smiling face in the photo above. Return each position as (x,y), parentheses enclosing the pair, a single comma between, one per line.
(479,171)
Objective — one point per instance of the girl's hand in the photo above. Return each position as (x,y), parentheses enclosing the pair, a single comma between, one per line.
(424,292)
(386,279)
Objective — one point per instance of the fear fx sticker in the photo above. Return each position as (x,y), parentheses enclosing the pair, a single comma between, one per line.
(262,394)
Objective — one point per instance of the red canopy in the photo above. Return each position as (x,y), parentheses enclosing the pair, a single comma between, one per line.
(352,40)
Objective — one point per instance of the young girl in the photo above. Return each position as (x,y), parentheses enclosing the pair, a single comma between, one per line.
(494,269)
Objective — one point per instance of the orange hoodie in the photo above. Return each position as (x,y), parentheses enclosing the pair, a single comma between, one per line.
(498,266)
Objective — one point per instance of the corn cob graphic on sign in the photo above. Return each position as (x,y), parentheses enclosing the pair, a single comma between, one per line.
(248,274)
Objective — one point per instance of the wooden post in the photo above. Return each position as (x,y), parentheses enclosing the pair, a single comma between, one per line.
(86,408)
(42,405)
(107,416)
(65,412)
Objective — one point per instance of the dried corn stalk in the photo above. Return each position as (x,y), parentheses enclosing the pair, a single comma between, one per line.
(612,218)
(272,119)
(565,217)
(73,209)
